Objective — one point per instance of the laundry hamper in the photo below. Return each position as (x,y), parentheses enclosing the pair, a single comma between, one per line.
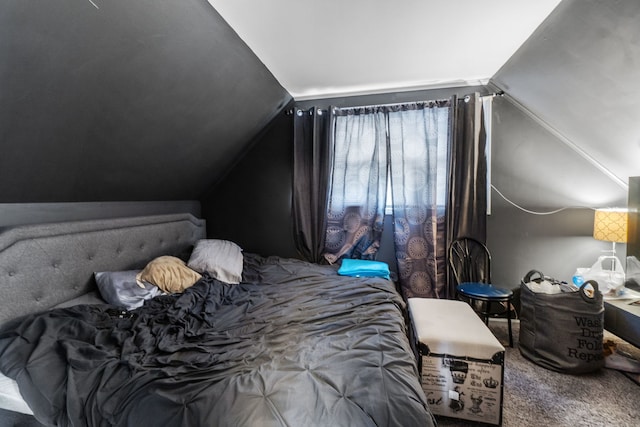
(562,331)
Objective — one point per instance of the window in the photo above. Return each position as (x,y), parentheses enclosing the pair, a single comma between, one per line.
(422,136)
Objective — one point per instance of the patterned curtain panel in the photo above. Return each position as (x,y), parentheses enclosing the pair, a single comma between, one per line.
(419,147)
(357,188)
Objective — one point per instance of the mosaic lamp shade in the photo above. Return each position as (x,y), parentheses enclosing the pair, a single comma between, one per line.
(610,225)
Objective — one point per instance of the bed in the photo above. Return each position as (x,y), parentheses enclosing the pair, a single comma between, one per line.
(292,344)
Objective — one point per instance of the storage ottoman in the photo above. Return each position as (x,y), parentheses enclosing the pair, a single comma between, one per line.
(461,363)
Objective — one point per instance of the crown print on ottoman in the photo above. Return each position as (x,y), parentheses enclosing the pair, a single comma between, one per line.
(490,382)
(459,371)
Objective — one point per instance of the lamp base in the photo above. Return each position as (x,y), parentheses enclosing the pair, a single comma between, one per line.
(616,264)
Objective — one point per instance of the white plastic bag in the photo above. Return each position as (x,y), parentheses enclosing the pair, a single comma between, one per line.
(610,280)
(540,285)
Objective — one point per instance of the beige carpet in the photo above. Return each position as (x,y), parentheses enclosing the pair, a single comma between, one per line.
(535,396)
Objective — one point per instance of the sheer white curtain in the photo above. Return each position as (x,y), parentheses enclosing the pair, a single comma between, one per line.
(356,200)
(419,149)
(409,141)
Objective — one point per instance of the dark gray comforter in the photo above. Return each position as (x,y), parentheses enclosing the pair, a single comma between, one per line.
(295,345)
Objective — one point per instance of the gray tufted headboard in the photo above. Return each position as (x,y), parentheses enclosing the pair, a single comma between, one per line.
(47,264)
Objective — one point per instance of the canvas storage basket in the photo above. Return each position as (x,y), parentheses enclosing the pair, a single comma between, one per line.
(562,331)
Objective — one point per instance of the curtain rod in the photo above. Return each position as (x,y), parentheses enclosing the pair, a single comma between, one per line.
(289,112)
(492,95)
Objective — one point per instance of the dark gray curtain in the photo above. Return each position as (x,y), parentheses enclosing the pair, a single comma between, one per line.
(357,188)
(310,178)
(467,204)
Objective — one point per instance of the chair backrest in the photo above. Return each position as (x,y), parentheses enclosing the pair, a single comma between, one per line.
(470,260)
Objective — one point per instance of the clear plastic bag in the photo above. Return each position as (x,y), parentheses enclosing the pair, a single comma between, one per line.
(610,280)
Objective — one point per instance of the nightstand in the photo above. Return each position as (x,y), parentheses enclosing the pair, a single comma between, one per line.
(622,318)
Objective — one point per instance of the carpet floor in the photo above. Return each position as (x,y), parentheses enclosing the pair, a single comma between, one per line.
(535,396)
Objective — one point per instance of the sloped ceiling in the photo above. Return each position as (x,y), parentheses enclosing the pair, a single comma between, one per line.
(579,75)
(104,100)
(572,65)
(331,48)
(124,100)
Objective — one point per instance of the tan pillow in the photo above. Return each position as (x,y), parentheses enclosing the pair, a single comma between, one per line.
(169,273)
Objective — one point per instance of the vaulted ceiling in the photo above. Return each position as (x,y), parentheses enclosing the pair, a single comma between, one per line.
(571,64)
(335,48)
(157,99)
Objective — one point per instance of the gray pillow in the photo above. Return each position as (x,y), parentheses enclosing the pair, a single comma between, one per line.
(222,259)
(120,288)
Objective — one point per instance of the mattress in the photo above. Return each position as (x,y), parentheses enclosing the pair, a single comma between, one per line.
(10,397)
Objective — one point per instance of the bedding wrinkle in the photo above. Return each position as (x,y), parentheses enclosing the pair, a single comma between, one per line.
(314,350)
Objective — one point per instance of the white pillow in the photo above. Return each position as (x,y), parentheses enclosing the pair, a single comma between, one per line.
(222,259)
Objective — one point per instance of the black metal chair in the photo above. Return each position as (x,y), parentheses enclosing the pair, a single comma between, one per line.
(470,262)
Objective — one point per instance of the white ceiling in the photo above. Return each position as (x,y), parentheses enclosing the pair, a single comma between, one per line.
(327,48)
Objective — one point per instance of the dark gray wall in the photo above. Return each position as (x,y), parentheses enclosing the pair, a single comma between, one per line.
(391,97)
(252,204)
(127,101)
(12,214)
(535,170)
(578,73)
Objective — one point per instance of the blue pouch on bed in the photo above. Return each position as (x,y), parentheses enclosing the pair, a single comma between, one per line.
(364,268)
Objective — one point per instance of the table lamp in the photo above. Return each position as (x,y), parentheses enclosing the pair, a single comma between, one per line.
(610,225)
